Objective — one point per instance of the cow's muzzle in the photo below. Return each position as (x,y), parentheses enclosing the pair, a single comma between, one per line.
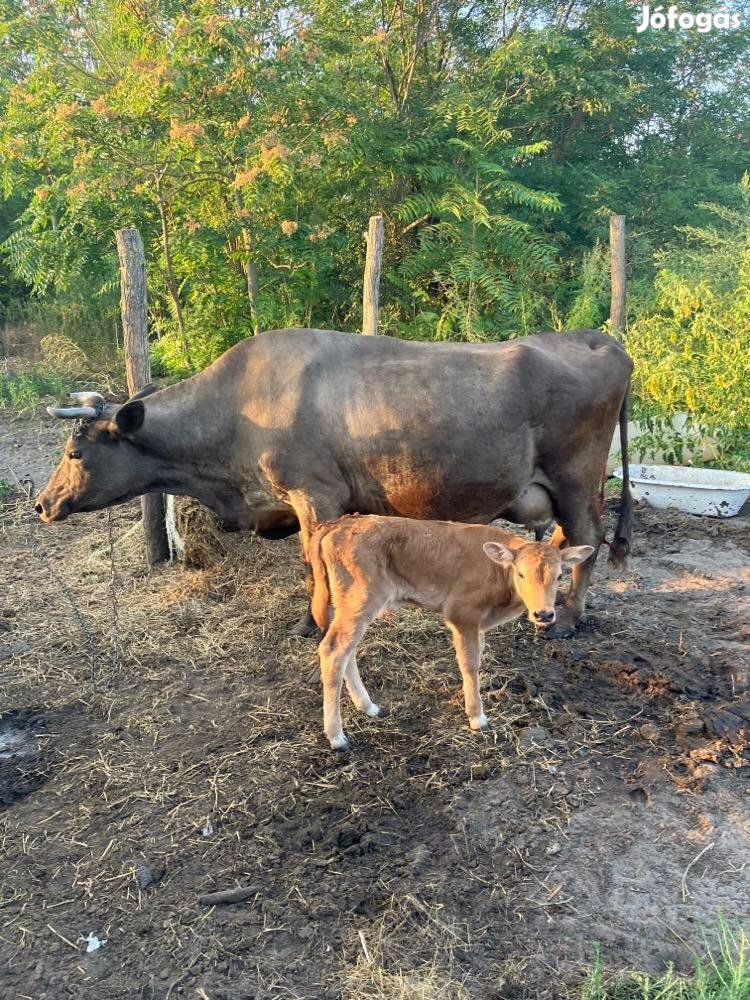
(50,512)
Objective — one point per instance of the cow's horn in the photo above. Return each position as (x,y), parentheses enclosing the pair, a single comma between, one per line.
(71,412)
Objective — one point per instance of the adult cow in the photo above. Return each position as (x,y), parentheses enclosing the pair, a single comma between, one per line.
(294,427)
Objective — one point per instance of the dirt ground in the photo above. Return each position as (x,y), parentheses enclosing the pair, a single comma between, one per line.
(609,805)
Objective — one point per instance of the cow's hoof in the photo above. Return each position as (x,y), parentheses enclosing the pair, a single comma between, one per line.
(376,711)
(305,628)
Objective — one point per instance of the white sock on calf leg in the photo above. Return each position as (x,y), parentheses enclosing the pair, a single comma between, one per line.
(339,742)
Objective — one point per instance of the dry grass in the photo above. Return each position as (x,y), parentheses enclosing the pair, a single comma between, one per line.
(62,355)
(407,953)
(203,542)
(203,757)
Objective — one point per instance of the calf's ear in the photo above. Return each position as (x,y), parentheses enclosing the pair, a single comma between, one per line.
(129,418)
(575,554)
(498,552)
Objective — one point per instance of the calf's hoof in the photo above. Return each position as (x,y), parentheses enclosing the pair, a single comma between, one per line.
(376,712)
(340,744)
(481,724)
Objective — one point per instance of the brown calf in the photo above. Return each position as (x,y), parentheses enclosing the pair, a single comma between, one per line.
(476,576)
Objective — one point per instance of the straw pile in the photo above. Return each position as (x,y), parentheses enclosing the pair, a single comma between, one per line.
(200,542)
(63,355)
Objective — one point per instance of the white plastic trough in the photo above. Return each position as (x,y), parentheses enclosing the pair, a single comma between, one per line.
(710,492)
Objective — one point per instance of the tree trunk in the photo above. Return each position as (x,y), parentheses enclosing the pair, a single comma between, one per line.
(134,307)
(373,261)
(618,282)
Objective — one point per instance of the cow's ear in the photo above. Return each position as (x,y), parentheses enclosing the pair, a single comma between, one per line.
(498,552)
(575,554)
(129,418)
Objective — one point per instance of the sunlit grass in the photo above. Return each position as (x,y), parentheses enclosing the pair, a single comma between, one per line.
(22,391)
(724,974)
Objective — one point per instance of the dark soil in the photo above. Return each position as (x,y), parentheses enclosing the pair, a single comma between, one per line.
(609,805)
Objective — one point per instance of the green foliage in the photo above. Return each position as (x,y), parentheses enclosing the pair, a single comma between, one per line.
(23,391)
(590,303)
(251,144)
(723,975)
(691,348)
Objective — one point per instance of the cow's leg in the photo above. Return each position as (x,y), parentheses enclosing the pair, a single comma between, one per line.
(580,525)
(311,511)
(357,691)
(467,640)
(337,647)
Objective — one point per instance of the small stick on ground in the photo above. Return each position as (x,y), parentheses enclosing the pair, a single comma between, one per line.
(238,895)
(685,890)
(63,938)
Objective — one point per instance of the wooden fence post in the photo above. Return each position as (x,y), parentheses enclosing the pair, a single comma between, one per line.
(373,261)
(617,272)
(134,308)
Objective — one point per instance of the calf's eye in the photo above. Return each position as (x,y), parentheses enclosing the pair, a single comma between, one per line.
(521,576)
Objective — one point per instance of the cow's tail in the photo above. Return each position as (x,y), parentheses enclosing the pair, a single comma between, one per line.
(619,547)
(321,597)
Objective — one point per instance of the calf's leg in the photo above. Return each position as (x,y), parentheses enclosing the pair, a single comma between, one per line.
(467,641)
(339,645)
(357,691)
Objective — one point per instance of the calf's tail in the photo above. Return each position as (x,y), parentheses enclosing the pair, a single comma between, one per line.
(321,592)
(620,545)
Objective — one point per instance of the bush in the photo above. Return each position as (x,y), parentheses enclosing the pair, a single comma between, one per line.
(22,391)
(690,350)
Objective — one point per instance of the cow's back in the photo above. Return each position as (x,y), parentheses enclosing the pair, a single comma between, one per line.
(376,383)
(420,429)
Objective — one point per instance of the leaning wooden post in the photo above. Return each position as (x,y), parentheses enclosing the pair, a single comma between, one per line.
(373,261)
(617,272)
(134,308)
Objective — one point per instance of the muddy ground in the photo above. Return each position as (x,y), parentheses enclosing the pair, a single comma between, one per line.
(609,805)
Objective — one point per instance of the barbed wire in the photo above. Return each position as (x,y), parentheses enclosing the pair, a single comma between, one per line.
(90,642)
(116,638)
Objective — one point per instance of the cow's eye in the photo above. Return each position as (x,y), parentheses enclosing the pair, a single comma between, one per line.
(521,576)
(75,455)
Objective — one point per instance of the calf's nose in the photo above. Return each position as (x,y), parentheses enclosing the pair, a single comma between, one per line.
(39,509)
(544,617)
